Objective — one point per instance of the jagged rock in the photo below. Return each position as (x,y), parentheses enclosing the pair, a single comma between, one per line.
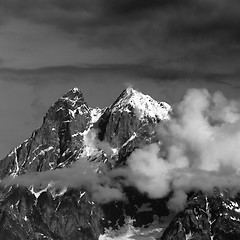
(131,120)
(46,212)
(207,217)
(23,216)
(55,141)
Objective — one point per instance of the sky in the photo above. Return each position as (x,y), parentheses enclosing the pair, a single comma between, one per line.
(160,47)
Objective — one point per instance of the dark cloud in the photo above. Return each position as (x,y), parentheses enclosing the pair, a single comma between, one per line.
(126,7)
(200,34)
(209,20)
(188,17)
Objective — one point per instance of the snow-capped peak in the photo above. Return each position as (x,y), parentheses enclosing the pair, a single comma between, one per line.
(73,94)
(74,90)
(142,105)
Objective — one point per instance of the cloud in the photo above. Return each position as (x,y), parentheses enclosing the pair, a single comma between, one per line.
(178,200)
(184,17)
(190,37)
(144,164)
(92,141)
(81,174)
(199,150)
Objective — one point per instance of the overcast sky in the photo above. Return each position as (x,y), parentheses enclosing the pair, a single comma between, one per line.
(161,47)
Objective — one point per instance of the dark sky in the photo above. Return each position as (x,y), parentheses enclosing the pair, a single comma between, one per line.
(161,47)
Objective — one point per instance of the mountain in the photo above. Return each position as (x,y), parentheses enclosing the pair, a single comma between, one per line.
(74,134)
(51,212)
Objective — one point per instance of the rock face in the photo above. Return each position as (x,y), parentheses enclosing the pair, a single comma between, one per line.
(130,121)
(57,140)
(216,217)
(50,212)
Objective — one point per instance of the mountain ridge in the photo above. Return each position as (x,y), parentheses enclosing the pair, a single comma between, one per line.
(57,144)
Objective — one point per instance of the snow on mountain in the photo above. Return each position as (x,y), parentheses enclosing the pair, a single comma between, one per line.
(95,114)
(71,131)
(106,137)
(142,105)
(129,232)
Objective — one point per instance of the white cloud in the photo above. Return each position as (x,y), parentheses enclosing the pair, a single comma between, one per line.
(199,150)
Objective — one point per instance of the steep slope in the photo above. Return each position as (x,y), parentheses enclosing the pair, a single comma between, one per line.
(68,133)
(44,212)
(55,141)
(130,121)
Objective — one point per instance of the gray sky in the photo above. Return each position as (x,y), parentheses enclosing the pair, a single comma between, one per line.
(161,47)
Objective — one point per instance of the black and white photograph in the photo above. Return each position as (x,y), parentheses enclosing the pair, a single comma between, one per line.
(120,119)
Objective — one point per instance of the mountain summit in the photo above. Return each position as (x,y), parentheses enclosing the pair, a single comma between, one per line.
(142,105)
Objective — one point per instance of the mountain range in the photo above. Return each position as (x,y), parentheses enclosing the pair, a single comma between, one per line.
(64,182)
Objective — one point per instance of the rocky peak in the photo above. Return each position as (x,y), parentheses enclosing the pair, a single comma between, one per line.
(131,120)
(73,94)
(71,104)
(141,105)
(59,138)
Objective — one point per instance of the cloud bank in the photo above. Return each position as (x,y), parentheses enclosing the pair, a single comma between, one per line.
(199,150)
(81,174)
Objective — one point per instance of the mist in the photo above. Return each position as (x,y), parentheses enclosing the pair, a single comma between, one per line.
(81,174)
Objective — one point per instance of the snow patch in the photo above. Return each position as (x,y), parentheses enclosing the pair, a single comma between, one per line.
(232,206)
(75,111)
(82,194)
(37,194)
(43,152)
(36,148)
(130,139)
(234,219)
(16,165)
(57,193)
(114,151)
(188,236)
(128,232)
(75,90)
(95,114)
